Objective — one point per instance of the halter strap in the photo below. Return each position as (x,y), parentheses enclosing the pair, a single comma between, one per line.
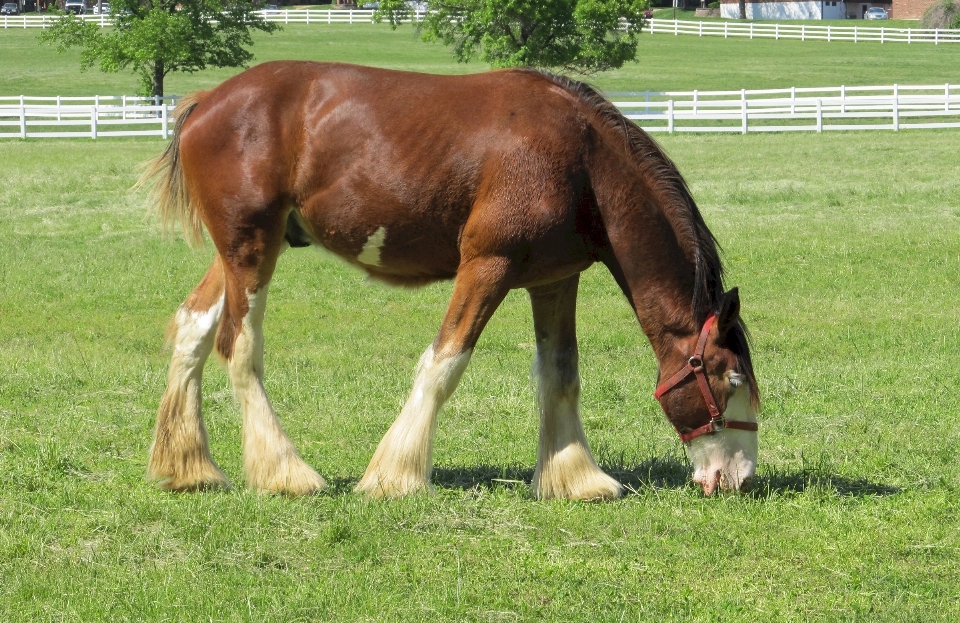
(695,366)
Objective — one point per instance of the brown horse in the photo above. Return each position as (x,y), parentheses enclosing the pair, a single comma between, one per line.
(501,180)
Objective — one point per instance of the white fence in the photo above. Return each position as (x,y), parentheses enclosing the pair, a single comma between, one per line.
(802,32)
(283,16)
(709,28)
(896,107)
(85,117)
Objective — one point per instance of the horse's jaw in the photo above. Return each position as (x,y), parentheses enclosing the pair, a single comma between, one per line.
(727,460)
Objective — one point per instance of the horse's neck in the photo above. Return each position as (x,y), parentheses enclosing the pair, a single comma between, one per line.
(656,273)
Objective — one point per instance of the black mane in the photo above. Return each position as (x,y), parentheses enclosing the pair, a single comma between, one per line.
(680,210)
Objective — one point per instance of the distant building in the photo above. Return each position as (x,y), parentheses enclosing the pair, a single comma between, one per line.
(910,9)
(806,9)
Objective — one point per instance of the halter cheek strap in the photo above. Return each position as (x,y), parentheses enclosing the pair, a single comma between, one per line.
(695,366)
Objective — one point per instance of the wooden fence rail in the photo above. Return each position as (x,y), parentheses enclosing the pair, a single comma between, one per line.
(709,28)
(895,107)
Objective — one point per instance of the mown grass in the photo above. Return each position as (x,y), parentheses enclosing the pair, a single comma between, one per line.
(847,251)
(665,62)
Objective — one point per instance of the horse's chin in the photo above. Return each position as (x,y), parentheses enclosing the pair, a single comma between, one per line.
(727,460)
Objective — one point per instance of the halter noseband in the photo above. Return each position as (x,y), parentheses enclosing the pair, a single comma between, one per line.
(695,366)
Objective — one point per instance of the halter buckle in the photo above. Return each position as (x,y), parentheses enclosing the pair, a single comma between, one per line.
(695,363)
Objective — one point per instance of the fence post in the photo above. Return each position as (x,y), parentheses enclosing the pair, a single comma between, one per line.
(776,31)
(701,28)
(59,118)
(351,16)
(936,37)
(793,100)
(93,122)
(743,113)
(695,91)
(946,97)
(803,32)
(881,34)
(329,16)
(828,33)
(819,115)
(751,30)
(123,102)
(909,35)
(843,99)
(725,24)
(896,108)
(308,16)
(670,116)
(676,27)
(23,119)
(163,121)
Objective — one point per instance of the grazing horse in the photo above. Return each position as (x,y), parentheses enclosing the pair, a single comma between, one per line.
(500,180)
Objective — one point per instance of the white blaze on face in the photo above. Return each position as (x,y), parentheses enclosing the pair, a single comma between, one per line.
(727,459)
(370,255)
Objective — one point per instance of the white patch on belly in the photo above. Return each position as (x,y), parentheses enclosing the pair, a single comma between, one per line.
(370,255)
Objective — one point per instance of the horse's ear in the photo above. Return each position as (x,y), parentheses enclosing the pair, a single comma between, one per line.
(729,311)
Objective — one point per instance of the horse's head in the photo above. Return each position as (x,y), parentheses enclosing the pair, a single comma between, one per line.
(711,399)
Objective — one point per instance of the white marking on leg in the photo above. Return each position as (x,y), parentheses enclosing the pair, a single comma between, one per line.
(565,466)
(728,459)
(370,255)
(270,460)
(403,461)
(180,454)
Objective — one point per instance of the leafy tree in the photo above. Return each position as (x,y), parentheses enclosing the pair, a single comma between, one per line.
(156,37)
(584,36)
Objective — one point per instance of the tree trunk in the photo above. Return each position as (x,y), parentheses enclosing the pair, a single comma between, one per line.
(157,84)
(743,9)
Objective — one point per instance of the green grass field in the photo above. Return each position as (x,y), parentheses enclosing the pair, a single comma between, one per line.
(847,251)
(665,62)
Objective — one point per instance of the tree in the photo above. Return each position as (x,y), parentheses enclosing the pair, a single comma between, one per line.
(584,36)
(156,37)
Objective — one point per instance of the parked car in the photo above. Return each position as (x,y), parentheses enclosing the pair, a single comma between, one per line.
(10,8)
(370,5)
(75,6)
(875,12)
(103,7)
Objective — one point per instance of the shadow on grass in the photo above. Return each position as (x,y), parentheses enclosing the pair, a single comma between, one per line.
(670,472)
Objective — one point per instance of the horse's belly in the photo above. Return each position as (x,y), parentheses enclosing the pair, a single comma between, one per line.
(404,250)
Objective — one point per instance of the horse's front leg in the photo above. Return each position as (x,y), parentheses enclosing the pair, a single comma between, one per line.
(403,462)
(180,455)
(565,465)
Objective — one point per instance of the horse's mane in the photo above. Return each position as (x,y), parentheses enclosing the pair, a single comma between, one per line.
(678,206)
(668,184)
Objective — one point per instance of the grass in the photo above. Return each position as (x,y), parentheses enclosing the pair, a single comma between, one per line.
(665,62)
(847,251)
(848,266)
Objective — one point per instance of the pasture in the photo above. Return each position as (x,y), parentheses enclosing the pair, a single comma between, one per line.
(847,252)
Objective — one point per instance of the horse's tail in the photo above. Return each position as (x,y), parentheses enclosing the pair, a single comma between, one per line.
(170,195)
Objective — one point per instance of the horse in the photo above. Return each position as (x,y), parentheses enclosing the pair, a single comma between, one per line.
(499,180)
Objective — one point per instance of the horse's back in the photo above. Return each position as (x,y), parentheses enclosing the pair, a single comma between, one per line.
(416,157)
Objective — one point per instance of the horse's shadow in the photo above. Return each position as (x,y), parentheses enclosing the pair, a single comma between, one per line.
(669,472)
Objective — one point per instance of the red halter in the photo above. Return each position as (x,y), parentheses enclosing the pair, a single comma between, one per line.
(695,366)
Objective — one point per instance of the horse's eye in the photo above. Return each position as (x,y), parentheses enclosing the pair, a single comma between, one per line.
(736,379)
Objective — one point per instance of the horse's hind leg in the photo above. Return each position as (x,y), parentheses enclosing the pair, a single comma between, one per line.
(565,466)
(270,460)
(403,462)
(180,456)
